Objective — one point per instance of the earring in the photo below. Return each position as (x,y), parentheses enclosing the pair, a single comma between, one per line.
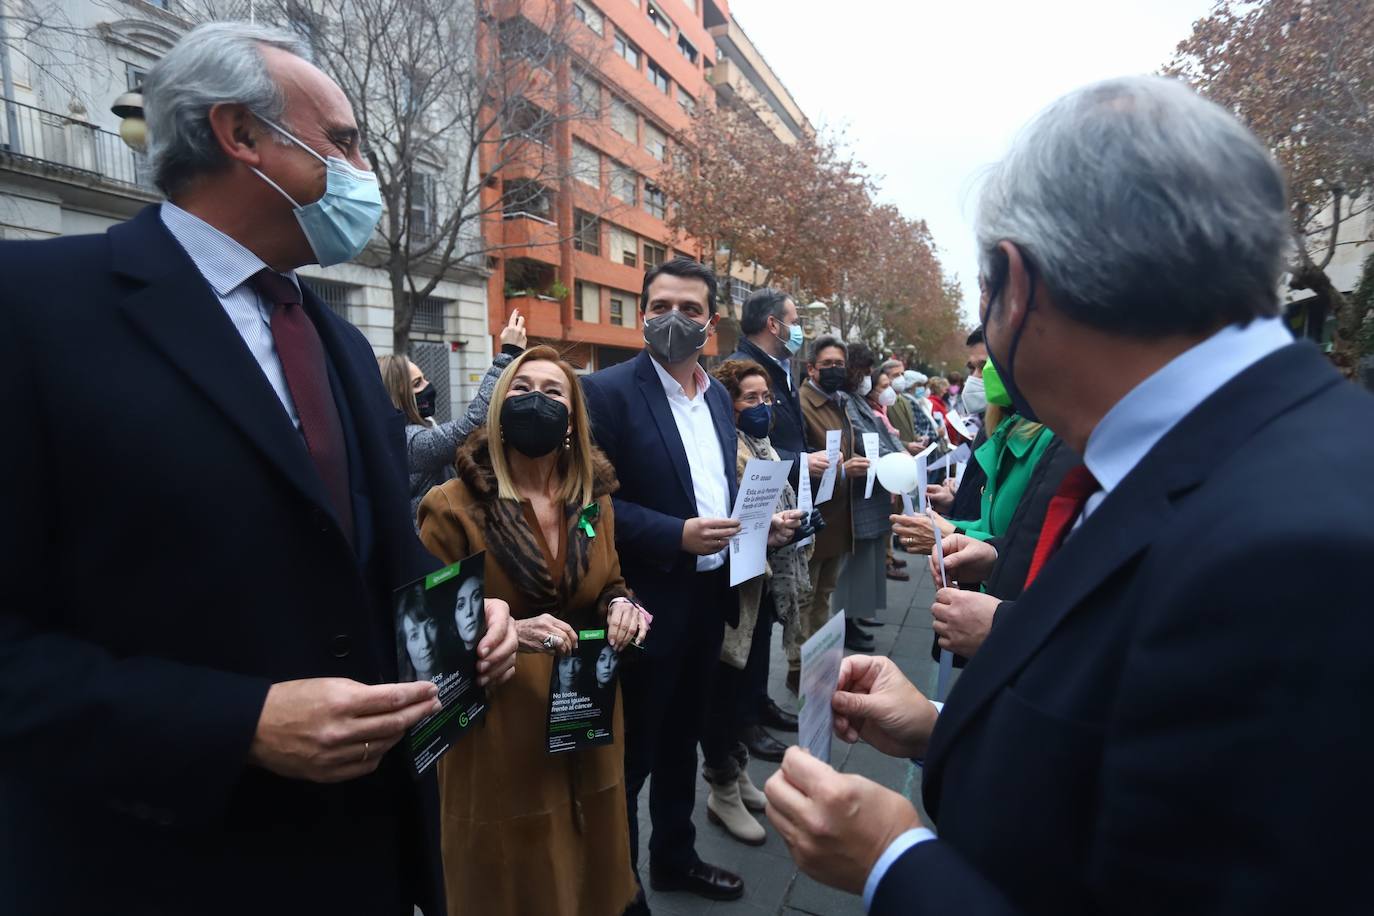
(567,443)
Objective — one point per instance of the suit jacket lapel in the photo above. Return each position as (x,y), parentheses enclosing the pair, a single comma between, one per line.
(651,387)
(722,415)
(1131,518)
(179,314)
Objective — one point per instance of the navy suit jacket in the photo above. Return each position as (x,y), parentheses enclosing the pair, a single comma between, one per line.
(1176,717)
(167,552)
(788,435)
(633,424)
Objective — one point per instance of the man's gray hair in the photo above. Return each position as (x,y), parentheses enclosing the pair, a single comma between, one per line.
(216,62)
(1146,209)
(889,365)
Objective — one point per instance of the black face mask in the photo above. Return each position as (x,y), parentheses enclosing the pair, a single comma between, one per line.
(533,423)
(832,378)
(427,400)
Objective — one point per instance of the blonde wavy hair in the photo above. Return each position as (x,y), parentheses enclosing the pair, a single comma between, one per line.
(574,459)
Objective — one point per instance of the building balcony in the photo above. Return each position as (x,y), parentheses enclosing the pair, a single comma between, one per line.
(530,235)
(543,314)
(50,144)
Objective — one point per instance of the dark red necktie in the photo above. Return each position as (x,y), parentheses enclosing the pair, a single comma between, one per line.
(1066,506)
(307,375)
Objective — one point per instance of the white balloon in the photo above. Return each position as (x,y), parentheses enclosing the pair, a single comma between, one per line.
(897,472)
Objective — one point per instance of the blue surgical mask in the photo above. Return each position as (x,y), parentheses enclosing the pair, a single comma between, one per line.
(756,421)
(794,339)
(339,224)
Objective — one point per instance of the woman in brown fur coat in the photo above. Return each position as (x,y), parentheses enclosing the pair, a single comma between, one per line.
(524,831)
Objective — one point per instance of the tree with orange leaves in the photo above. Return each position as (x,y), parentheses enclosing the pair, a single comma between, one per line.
(1300,73)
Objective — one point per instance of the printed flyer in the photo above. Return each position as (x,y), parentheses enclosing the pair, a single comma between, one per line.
(439,622)
(582,695)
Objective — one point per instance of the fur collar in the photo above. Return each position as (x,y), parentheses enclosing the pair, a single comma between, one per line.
(474,468)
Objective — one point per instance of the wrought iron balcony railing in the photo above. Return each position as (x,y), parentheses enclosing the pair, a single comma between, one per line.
(31,137)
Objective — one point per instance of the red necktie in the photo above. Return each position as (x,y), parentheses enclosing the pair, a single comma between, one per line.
(1066,506)
(307,375)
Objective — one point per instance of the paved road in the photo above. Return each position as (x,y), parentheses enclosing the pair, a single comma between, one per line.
(772,883)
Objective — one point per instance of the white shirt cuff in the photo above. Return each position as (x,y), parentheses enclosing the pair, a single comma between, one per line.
(893,852)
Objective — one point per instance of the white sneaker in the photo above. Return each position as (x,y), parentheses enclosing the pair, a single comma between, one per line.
(750,794)
(725,809)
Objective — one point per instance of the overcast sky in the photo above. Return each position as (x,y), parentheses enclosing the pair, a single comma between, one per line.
(931,93)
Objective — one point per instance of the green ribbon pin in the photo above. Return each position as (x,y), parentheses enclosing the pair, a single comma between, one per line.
(587,516)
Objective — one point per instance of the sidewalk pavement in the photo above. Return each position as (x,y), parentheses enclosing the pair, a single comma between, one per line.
(772,884)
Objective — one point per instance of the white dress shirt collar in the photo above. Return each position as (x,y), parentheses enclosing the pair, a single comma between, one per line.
(1149,410)
(223,262)
(672,388)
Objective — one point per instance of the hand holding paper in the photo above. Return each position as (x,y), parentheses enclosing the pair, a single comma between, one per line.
(871,450)
(832,455)
(759,491)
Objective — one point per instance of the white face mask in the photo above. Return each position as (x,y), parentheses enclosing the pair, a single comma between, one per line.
(899,384)
(887,397)
(975,397)
(865,387)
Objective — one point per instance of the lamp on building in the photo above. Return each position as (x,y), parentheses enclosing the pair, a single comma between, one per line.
(133,130)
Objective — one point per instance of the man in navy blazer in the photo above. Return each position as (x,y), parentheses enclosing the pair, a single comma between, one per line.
(205,515)
(669,430)
(1173,718)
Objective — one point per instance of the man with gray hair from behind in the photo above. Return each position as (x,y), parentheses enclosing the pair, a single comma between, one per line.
(198,702)
(1174,717)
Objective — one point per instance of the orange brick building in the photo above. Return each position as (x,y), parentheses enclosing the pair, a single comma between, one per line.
(602,226)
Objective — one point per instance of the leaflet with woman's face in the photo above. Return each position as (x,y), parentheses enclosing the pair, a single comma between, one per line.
(440,619)
(582,693)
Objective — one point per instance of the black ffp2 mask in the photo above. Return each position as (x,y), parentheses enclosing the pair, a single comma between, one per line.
(533,423)
(832,378)
(427,400)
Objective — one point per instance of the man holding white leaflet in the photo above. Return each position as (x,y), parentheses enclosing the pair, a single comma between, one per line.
(1169,722)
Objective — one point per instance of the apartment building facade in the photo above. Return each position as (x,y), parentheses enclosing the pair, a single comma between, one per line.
(571,252)
(65,169)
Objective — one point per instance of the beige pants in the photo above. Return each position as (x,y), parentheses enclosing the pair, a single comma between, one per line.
(814,614)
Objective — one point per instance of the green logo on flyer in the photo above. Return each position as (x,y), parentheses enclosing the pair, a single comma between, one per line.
(441,576)
(591,733)
(591,634)
(463,720)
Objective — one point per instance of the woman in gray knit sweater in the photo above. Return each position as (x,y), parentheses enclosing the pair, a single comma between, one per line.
(431,447)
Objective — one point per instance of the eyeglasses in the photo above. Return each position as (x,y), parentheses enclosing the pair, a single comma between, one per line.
(753,400)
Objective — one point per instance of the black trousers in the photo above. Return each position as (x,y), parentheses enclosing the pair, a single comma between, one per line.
(734,704)
(666,707)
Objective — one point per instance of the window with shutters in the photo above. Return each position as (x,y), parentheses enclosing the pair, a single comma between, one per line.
(589,16)
(660,20)
(624,247)
(586,232)
(659,77)
(622,308)
(624,183)
(587,302)
(684,98)
(586,164)
(655,141)
(686,48)
(586,94)
(655,201)
(624,121)
(654,255)
(627,49)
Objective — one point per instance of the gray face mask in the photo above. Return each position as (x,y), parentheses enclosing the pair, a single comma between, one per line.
(674,337)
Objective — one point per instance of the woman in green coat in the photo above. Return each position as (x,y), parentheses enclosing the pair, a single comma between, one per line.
(1009,457)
